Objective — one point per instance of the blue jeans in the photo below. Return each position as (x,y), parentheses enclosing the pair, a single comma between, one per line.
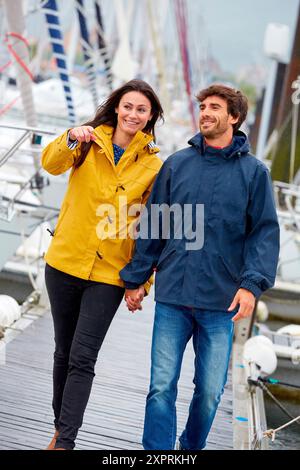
(212,333)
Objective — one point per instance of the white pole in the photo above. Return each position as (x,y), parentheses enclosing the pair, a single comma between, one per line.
(160,59)
(295,118)
(16,23)
(266,111)
(74,34)
(122,66)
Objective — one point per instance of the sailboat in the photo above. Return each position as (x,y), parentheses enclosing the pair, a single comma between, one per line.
(28,207)
(282,156)
(266,357)
(110,53)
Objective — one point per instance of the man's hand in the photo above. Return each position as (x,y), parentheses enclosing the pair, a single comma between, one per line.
(134,298)
(246,300)
(82,134)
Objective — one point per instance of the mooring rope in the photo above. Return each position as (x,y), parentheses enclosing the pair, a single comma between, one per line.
(271,433)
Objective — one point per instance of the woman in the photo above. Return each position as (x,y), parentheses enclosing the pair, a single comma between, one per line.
(113,165)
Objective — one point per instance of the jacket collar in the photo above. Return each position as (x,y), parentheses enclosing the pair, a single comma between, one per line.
(104,134)
(238,147)
(141,141)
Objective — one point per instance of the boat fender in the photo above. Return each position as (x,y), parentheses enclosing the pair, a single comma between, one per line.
(262,311)
(291,330)
(10,310)
(259,350)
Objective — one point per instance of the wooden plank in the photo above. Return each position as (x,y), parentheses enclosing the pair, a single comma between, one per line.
(115,413)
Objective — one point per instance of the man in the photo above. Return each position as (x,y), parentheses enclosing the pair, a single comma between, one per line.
(201,292)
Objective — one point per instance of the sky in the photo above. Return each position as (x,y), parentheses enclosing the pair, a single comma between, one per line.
(236,28)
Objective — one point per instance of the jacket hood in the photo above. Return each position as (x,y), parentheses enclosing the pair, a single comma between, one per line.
(240,146)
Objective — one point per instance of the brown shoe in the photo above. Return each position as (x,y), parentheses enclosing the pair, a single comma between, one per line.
(53,441)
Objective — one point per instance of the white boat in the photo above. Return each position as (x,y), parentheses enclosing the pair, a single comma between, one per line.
(286,345)
(28,207)
(265,364)
(283,300)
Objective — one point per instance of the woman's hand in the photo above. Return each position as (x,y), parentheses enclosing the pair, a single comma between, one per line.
(82,134)
(134,298)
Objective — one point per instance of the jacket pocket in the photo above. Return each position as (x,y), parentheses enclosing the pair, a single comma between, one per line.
(233,276)
(162,262)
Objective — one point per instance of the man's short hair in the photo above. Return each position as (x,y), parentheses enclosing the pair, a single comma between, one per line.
(237,103)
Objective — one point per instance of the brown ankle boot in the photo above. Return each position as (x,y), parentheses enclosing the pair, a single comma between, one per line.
(53,441)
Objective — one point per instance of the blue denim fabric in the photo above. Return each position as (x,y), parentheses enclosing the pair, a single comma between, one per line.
(212,333)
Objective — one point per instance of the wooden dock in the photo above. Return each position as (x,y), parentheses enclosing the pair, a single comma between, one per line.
(115,413)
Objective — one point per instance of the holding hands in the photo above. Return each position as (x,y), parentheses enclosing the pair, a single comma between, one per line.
(82,134)
(134,298)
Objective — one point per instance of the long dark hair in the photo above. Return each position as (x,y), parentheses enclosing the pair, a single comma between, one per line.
(106,113)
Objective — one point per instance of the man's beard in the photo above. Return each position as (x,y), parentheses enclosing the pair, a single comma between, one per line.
(217,131)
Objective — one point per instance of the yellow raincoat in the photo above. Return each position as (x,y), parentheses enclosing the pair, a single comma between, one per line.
(91,239)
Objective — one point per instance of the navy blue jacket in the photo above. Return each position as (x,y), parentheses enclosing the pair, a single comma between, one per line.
(241,231)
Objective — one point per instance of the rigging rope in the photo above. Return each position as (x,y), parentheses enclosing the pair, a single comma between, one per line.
(277,382)
(19,60)
(271,433)
(39,7)
(9,105)
(5,66)
(11,49)
(280,405)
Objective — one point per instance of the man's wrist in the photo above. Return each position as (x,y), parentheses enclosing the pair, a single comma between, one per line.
(251,287)
(131,286)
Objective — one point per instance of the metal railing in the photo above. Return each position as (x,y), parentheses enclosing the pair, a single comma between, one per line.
(29,132)
(287,198)
(35,180)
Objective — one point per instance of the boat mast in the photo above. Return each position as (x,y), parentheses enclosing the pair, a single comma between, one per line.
(122,66)
(16,24)
(87,49)
(181,19)
(160,59)
(294,132)
(56,38)
(72,46)
(286,161)
(104,52)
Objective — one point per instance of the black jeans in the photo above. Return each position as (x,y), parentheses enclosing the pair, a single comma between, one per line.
(82,312)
